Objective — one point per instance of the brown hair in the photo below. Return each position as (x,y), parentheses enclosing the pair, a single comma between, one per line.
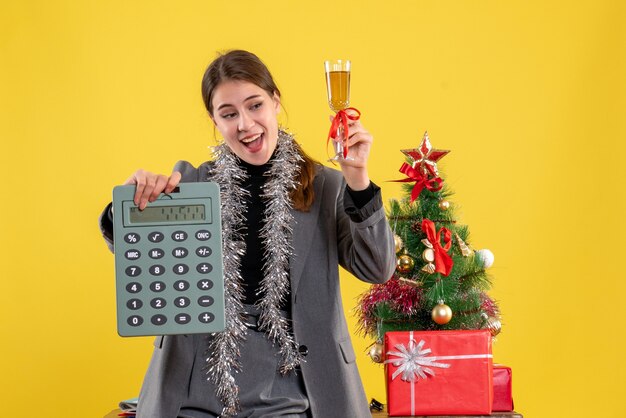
(245,66)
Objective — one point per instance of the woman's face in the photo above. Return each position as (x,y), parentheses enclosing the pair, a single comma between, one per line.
(246,116)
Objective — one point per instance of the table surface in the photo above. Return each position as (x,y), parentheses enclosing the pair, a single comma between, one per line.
(383,414)
(512,414)
(113,414)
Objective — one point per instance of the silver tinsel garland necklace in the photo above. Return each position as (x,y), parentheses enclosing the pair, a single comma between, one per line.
(276,233)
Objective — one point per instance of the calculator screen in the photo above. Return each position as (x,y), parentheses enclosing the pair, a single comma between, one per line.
(166,214)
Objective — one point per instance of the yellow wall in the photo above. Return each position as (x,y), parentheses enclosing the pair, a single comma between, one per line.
(529,95)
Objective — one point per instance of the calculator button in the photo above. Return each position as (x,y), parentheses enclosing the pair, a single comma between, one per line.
(203,251)
(181,302)
(179,236)
(134,321)
(133,287)
(205,301)
(203,235)
(133,271)
(157,286)
(205,284)
(158,303)
(157,270)
(132,254)
(204,268)
(182,318)
(156,253)
(134,304)
(206,317)
(180,252)
(181,285)
(158,319)
(132,238)
(180,268)
(155,237)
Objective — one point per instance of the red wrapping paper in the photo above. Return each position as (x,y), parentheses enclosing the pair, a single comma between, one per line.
(502,388)
(450,386)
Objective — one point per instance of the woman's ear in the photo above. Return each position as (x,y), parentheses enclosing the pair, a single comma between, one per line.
(276,99)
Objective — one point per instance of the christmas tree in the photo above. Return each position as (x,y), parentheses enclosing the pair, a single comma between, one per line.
(440,282)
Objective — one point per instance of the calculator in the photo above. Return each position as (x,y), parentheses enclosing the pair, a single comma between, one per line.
(168,262)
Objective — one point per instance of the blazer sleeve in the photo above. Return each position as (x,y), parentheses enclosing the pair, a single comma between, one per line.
(365,246)
(106,225)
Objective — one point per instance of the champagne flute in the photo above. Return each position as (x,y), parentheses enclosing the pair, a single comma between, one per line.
(338,89)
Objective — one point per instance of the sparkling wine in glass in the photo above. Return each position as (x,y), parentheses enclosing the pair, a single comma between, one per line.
(338,89)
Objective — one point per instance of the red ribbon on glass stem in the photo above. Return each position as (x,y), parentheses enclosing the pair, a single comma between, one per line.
(341,120)
(443,261)
(434,184)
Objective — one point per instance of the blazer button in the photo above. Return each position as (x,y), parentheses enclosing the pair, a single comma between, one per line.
(304,350)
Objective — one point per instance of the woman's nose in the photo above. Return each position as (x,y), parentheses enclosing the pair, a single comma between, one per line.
(245,122)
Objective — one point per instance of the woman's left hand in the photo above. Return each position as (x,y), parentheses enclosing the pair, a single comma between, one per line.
(355,167)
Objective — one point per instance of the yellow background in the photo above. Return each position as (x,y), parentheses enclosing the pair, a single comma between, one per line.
(528,95)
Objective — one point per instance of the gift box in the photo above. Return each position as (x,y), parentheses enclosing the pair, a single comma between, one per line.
(439,372)
(502,388)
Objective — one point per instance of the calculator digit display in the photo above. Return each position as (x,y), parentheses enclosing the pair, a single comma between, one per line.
(167,214)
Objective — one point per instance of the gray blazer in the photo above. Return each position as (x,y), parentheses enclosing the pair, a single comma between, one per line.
(323,238)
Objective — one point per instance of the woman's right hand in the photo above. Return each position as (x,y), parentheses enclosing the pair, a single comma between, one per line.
(151,185)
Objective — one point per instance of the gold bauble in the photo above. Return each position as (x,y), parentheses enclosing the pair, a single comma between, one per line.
(399,244)
(441,314)
(377,353)
(444,205)
(428,255)
(494,325)
(405,264)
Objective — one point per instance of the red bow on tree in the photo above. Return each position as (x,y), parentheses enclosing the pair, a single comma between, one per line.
(443,261)
(433,184)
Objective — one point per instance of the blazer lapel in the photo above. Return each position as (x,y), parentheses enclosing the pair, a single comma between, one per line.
(303,229)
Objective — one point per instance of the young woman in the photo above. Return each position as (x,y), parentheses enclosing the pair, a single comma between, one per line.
(287,224)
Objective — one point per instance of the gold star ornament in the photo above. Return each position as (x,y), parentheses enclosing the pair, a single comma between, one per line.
(425,157)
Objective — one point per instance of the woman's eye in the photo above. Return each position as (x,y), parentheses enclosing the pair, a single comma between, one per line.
(228,115)
(256,105)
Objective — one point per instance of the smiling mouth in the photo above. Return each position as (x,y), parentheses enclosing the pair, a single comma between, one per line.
(252,138)
(253,143)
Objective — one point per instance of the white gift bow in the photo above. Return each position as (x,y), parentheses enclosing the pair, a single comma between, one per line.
(413,363)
